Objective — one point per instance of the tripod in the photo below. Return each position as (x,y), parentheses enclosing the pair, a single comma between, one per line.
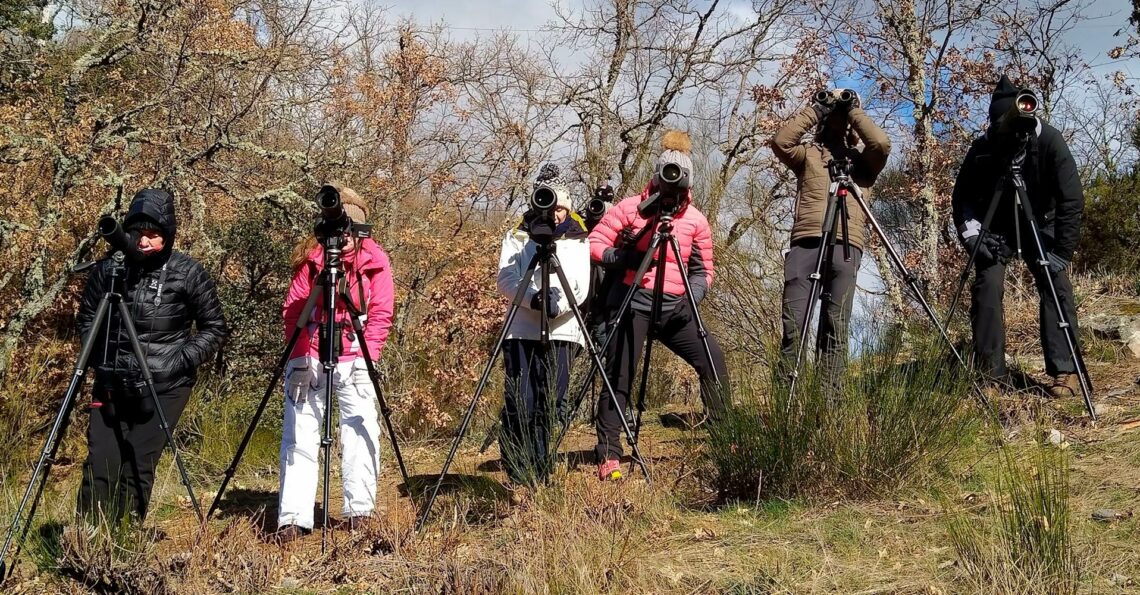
(545,260)
(327,282)
(600,282)
(660,243)
(1013,178)
(43,466)
(840,189)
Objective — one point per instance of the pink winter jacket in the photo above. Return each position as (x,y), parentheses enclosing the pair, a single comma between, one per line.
(374,270)
(689,227)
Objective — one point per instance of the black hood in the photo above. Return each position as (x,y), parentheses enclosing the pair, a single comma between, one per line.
(1002,99)
(152,207)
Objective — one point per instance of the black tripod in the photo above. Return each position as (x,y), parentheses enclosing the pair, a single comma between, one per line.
(327,281)
(841,187)
(661,242)
(545,260)
(1014,178)
(43,467)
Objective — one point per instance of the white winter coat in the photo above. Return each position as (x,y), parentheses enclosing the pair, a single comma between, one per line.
(574,255)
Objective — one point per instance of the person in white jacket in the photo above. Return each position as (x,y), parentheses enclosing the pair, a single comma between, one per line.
(538,375)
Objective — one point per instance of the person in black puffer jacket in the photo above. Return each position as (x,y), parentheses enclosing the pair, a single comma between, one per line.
(166,292)
(1054,190)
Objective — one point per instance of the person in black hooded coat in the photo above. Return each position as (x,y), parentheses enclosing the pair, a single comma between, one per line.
(1056,198)
(166,293)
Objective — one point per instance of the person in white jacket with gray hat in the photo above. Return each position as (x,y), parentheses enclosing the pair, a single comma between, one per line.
(538,375)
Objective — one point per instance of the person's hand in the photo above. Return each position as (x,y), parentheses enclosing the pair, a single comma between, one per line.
(552,306)
(1056,263)
(856,101)
(823,108)
(974,243)
(628,258)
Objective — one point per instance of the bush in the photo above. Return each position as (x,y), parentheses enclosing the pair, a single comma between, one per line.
(901,414)
(1027,548)
(1110,238)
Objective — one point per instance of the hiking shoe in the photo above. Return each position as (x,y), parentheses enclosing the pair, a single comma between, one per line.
(289,534)
(1065,386)
(609,470)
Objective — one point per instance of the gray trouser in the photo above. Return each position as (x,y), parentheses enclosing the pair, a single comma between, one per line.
(986,316)
(838,296)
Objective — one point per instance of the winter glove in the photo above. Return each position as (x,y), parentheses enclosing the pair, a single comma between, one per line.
(552,309)
(300,377)
(984,256)
(1056,263)
(625,258)
(822,109)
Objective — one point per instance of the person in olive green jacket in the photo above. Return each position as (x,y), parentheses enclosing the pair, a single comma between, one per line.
(836,129)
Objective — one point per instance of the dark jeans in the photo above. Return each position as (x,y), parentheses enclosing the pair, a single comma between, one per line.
(987,317)
(838,296)
(537,380)
(676,330)
(124,443)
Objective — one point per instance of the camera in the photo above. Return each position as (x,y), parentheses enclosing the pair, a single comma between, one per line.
(543,198)
(671,184)
(333,221)
(596,207)
(112,232)
(540,217)
(1022,115)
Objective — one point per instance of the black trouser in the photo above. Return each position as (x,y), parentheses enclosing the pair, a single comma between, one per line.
(986,316)
(676,330)
(124,443)
(838,297)
(532,408)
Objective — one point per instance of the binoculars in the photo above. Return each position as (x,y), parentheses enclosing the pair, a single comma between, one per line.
(846,98)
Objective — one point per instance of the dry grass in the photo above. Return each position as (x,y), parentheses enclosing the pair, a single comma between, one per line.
(577,535)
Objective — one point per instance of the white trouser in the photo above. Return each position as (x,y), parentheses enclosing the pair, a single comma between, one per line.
(301,436)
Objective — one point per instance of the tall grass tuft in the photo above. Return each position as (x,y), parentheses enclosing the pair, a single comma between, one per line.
(900,411)
(1027,547)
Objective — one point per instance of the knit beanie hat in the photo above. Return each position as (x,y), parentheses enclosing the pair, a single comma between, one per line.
(1002,99)
(676,147)
(549,175)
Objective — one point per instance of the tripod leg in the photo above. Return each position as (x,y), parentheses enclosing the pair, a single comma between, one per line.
(912,283)
(596,356)
(43,466)
(829,222)
(282,361)
(701,330)
(621,312)
(650,337)
(125,316)
(463,425)
(983,233)
(1062,321)
(385,411)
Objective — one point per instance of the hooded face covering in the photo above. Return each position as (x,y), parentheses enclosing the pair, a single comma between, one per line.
(1002,99)
(152,209)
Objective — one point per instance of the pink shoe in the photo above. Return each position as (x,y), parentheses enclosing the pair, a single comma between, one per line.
(609,470)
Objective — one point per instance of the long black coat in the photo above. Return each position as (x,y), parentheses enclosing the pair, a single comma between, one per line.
(164,322)
(1051,181)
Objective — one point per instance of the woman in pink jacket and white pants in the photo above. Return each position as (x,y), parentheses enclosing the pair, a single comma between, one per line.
(368,283)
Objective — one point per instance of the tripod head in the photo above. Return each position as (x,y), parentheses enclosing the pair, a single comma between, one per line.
(839,169)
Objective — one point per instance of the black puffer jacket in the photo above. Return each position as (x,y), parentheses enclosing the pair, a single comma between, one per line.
(1051,181)
(188,297)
